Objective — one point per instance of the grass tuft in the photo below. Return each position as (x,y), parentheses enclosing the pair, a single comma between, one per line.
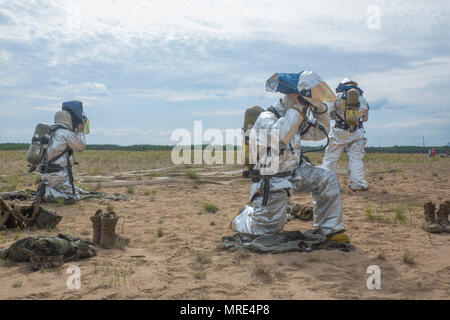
(408,258)
(210,207)
(192,174)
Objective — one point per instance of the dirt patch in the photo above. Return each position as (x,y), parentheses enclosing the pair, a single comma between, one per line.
(175,250)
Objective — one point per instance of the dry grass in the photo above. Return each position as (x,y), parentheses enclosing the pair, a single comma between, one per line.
(13,165)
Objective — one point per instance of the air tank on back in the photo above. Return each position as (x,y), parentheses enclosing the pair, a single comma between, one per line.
(38,145)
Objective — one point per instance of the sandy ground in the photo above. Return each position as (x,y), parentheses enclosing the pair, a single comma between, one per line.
(175,250)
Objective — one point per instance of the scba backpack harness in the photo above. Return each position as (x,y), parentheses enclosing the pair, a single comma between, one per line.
(350,107)
(37,154)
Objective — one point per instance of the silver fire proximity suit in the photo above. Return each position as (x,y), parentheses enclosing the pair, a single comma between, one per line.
(285,132)
(57,184)
(354,141)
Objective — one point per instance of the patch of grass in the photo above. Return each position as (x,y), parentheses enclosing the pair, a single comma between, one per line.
(17,234)
(400,214)
(210,207)
(159,232)
(192,174)
(109,207)
(369,214)
(146,192)
(203,258)
(6,262)
(59,202)
(117,277)
(381,255)
(378,216)
(408,258)
(17,284)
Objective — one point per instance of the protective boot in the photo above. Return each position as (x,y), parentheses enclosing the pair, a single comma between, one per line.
(430,224)
(339,237)
(108,235)
(96,227)
(442,216)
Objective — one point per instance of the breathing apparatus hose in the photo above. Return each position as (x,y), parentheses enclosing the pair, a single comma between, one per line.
(313,123)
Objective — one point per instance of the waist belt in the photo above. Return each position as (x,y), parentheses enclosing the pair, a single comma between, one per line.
(49,168)
(256,176)
(344,126)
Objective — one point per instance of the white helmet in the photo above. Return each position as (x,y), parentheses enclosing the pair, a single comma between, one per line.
(347,81)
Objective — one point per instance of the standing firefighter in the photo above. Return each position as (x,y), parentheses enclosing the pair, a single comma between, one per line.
(54,149)
(349,113)
(279,169)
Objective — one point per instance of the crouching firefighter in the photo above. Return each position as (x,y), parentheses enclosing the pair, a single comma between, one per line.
(279,169)
(349,113)
(51,152)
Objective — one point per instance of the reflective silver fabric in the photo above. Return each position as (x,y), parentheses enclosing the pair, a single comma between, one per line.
(322,183)
(57,183)
(355,143)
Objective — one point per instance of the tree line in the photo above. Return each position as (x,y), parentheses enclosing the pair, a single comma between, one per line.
(148,147)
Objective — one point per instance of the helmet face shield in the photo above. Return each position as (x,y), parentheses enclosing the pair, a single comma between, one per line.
(321,94)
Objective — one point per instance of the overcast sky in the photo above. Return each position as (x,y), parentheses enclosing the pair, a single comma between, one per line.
(146,68)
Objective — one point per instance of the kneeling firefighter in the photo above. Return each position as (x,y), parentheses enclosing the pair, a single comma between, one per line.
(279,131)
(349,113)
(51,152)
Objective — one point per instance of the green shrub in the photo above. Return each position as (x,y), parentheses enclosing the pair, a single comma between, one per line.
(210,207)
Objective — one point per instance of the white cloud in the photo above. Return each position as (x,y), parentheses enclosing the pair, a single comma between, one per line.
(422,84)
(48,108)
(109,30)
(93,87)
(124,52)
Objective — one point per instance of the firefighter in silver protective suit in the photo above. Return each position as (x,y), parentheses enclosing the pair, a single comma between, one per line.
(56,168)
(348,134)
(280,129)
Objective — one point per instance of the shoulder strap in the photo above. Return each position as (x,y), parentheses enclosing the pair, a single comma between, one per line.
(59,155)
(278,115)
(56,127)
